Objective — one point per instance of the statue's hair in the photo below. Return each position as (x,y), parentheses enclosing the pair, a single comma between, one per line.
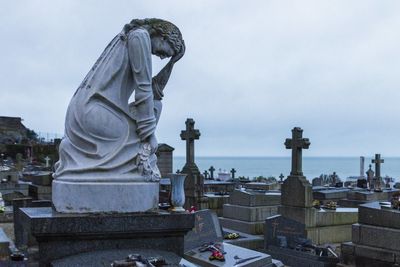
(162,27)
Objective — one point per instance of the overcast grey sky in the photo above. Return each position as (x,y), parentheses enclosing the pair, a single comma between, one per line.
(252,71)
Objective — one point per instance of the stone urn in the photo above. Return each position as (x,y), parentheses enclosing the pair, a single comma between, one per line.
(177,191)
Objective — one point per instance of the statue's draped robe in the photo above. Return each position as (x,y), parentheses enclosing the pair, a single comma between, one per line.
(104,135)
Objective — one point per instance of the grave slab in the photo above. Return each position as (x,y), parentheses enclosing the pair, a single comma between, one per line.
(261,260)
(373,214)
(61,235)
(254,242)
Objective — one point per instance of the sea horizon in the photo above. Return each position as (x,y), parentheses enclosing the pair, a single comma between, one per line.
(313,166)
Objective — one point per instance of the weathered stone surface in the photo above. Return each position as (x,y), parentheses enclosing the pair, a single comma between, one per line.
(252,198)
(339,216)
(380,237)
(307,216)
(61,235)
(216,202)
(297,192)
(372,214)
(104,197)
(374,253)
(330,234)
(254,228)
(250,214)
(355,233)
(331,194)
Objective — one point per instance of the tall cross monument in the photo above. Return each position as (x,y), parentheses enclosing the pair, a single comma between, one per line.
(194,182)
(296,190)
(297,144)
(378,162)
(189,135)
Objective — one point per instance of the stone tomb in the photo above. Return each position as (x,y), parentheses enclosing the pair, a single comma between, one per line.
(357,197)
(61,235)
(322,226)
(375,238)
(283,235)
(324,194)
(207,230)
(248,209)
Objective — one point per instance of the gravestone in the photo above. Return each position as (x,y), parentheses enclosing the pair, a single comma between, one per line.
(362,183)
(296,190)
(278,226)
(370,177)
(317,181)
(321,226)
(375,238)
(281,176)
(211,169)
(207,230)
(233,171)
(205,173)
(248,209)
(378,178)
(194,182)
(165,159)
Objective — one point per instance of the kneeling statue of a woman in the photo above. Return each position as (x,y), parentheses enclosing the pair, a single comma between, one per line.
(108,139)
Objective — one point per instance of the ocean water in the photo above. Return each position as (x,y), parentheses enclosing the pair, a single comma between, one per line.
(274,166)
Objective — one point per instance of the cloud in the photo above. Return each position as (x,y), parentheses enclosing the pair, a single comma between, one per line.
(252,71)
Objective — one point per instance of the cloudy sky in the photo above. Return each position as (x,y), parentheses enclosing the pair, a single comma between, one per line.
(252,71)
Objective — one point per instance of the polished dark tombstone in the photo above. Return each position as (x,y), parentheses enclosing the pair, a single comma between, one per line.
(278,226)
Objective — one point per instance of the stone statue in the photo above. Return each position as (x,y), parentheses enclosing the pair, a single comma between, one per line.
(107,139)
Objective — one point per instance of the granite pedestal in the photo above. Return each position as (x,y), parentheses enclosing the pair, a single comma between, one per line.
(61,235)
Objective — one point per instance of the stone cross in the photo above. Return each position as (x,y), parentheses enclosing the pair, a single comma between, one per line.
(281,177)
(297,143)
(47,159)
(233,171)
(378,162)
(205,173)
(190,134)
(211,169)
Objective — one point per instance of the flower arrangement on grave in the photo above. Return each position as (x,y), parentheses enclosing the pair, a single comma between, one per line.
(395,201)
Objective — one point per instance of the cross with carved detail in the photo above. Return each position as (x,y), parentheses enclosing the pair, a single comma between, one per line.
(378,162)
(190,134)
(297,143)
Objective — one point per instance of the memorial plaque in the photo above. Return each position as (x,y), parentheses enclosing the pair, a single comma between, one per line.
(206,229)
(278,226)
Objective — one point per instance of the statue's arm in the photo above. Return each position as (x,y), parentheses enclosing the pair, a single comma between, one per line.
(139,50)
(161,79)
